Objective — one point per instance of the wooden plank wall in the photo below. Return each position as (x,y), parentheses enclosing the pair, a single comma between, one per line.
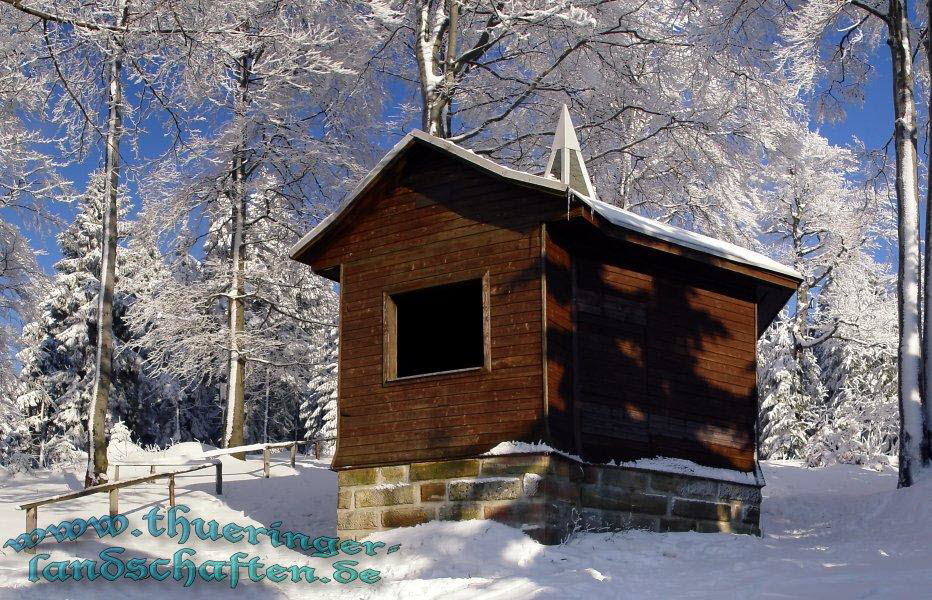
(559,304)
(666,364)
(436,220)
(652,355)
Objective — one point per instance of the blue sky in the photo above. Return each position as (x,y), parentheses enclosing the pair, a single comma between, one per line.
(871,122)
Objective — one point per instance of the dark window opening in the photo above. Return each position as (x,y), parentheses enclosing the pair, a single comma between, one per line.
(439,329)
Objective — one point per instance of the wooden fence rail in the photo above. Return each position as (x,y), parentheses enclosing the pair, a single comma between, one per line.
(265,448)
(32,508)
(113,487)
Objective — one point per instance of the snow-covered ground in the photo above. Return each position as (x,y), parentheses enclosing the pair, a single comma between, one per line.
(835,532)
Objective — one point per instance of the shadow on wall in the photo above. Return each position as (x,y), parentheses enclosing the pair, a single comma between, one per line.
(665,356)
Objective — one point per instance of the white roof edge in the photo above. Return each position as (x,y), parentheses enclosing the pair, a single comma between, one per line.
(688,239)
(615,215)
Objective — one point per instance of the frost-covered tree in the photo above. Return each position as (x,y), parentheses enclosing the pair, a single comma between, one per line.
(81,54)
(674,102)
(828,51)
(789,389)
(824,223)
(319,407)
(287,313)
(29,186)
(272,84)
(58,360)
(859,422)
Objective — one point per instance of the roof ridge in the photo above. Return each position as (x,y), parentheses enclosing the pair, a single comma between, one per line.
(614,214)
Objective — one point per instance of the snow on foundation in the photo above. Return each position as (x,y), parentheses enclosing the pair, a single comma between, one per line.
(527,448)
(680,466)
(660,464)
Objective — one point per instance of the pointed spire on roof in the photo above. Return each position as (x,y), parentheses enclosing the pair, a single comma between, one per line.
(566,162)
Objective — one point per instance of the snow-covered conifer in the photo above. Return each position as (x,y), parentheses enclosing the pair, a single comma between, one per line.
(57,374)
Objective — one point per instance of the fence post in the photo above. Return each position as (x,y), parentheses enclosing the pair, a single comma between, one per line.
(317,450)
(219,467)
(114,501)
(116,472)
(265,461)
(32,521)
(171,490)
(294,453)
(151,469)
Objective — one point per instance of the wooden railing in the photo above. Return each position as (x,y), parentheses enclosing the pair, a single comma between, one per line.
(113,487)
(32,508)
(266,454)
(266,459)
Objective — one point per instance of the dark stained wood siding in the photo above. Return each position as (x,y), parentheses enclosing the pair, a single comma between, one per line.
(653,355)
(434,220)
(559,314)
(601,341)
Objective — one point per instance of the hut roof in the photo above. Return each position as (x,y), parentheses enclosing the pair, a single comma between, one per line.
(616,216)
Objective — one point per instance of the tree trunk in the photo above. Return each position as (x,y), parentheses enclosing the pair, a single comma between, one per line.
(265,418)
(907,196)
(177,434)
(43,435)
(97,411)
(449,68)
(430,29)
(236,396)
(927,297)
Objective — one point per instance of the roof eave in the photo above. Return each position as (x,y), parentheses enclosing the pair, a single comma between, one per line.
(691,240)
(519,177)
(310,237)
(614,215)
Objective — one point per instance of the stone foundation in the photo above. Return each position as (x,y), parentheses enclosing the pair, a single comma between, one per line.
(544,494)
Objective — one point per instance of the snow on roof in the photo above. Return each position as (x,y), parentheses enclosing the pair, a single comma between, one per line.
(616,216)
(685,238)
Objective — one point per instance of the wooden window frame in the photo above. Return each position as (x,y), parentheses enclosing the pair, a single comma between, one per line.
(390,327)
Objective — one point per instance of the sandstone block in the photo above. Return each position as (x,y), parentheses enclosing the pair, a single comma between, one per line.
(516,513)
(446,469)
(686,487)
(345,498)
(497,466)
(460,511)
(433,491)
(700,509)
(406,516)
(357,476)
(394,474)
(624,478)
(618,499)
(668,524)
(357,519)
(388,496)
(485,489)
(749,494)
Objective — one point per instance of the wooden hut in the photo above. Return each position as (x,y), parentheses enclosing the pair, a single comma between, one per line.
(481,305)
